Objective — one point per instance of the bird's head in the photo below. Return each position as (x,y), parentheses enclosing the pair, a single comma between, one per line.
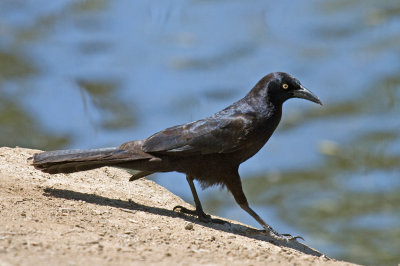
(280,86)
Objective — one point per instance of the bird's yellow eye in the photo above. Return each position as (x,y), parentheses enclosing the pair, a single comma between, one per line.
(285,86)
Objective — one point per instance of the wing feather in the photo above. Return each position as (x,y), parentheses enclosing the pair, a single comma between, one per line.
(211,135)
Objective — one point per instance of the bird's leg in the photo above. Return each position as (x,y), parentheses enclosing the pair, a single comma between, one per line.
(139,175)
(199,209)
(268,229)
(236,188)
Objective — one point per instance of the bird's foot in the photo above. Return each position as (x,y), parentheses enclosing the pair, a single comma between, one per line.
(289,237)
(282,237)
(205,218)
(269,231)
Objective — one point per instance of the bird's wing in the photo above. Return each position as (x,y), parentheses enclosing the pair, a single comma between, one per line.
(206,136)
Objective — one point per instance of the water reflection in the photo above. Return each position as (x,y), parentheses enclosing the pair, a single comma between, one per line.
(115,114)
(18,126)
(225,57)
(14,66)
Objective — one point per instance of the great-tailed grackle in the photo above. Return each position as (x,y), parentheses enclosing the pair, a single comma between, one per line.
(209,150)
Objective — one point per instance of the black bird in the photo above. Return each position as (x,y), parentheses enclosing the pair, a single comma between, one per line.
(209,150)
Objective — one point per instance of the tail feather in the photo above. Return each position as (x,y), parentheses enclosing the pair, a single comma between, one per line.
(68,161)
(72,155)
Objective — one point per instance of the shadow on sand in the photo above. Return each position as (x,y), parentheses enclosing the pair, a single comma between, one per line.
(132,206)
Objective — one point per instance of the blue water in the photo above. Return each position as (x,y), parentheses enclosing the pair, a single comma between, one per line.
(88,74)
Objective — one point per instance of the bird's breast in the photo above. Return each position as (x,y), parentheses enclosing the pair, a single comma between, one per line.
(259,136)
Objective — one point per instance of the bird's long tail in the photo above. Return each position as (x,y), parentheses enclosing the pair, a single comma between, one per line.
(69,161)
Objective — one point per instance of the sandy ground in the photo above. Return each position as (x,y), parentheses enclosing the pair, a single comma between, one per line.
(98,217)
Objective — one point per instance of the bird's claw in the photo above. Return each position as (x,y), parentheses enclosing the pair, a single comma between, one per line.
(205,218)
(292,237)
(281,237)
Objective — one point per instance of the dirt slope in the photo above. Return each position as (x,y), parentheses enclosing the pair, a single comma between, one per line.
(98,217)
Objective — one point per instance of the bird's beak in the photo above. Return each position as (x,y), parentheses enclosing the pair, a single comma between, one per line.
(306,94)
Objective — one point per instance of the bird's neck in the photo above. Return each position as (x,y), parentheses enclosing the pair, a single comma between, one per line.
(264,107)
(271,118)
